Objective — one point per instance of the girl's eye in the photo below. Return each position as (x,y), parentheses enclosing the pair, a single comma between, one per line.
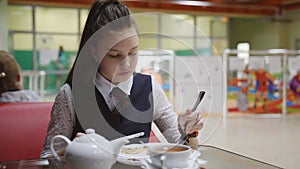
(132,54)
(114,56)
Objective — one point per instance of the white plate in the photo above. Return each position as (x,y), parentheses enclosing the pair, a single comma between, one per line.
(133,157)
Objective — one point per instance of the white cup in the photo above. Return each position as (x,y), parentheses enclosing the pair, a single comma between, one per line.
(169,155)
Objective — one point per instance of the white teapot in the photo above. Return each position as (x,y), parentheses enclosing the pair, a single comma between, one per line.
(91,151)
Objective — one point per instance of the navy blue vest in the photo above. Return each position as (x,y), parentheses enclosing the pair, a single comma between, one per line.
(141,100)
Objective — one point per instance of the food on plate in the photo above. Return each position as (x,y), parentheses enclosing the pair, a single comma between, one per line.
(133,159)
(132,154)
(134,149)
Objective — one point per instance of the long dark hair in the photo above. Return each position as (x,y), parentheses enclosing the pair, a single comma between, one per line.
(101,13)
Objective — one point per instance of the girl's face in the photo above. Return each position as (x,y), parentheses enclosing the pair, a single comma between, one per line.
(120,61)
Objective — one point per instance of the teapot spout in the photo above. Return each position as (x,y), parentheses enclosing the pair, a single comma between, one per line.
(117,145)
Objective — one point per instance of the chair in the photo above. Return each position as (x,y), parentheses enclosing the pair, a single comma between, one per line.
(23,127)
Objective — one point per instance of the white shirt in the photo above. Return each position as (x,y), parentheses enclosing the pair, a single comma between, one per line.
(105,87)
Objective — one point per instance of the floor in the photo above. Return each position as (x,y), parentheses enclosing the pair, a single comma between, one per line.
(272,139)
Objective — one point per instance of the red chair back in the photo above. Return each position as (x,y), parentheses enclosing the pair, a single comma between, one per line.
(23,127)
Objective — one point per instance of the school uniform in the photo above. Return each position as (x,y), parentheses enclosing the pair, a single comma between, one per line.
(137,88)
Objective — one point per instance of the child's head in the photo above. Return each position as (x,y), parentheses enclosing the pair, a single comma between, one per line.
(9,72)
(102,13)
(107,24)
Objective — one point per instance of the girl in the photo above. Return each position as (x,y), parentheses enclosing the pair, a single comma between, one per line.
(113,99)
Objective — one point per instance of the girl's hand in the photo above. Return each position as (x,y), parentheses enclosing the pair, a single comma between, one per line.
(79,135)
(190,121)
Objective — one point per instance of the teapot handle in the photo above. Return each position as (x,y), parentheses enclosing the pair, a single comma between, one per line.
(52,146)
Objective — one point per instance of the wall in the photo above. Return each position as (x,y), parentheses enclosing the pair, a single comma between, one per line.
(283,33)
(294,32)
(260,33)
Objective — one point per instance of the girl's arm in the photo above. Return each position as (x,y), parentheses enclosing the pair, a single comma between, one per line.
(164,116)
(61,122)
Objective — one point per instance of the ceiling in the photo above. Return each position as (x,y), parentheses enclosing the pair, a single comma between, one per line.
(218,7)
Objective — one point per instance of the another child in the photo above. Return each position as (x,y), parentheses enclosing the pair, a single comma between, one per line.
(11,89)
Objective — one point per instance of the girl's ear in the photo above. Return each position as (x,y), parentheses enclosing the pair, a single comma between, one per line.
(18,77)
(18,82)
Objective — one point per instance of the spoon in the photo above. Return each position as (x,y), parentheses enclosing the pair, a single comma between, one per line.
(199,99)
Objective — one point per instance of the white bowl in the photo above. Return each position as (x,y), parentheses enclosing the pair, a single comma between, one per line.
(170,155)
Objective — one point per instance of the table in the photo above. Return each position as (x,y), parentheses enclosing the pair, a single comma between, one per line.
(216,158)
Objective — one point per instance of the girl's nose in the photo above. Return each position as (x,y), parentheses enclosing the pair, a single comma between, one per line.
(125,63)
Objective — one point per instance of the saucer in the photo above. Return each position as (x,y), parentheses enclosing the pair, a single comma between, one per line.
(193,163)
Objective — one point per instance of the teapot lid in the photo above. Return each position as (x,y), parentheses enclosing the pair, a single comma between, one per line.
(90,137)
